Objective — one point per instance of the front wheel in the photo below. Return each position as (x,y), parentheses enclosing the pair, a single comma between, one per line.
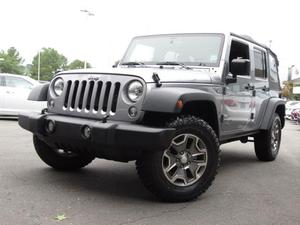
(187,168)
(60,159)
(267,142)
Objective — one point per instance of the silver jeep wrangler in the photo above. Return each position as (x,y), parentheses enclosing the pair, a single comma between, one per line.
(168,104)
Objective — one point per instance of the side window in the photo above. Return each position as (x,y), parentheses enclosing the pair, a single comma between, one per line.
(17,82)
(260,63)
(238,50)
(273,69)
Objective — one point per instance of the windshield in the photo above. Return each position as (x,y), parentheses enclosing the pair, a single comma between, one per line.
(184,49)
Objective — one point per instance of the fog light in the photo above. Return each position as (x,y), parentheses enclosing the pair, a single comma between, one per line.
(50,126)
(132,111)
(86,132)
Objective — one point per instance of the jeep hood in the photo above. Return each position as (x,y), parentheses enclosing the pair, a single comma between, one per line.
(166,75)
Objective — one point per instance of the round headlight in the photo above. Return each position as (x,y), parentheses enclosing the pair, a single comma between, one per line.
(58,86)
(135,91)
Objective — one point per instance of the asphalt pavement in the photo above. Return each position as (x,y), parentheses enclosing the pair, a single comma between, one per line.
(246,191)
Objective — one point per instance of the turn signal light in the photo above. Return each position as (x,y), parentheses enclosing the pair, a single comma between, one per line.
(179,104)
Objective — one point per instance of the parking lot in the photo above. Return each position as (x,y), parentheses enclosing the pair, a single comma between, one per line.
(245,191)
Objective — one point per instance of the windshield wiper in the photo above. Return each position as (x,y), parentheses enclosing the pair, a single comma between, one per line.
(132,63)
(170,63)
(201,64)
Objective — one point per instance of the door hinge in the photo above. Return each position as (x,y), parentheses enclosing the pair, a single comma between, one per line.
(265,88)
(252,116)
(224,90)
(254,93)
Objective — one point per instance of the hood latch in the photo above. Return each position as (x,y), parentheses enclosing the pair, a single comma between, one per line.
(156,79)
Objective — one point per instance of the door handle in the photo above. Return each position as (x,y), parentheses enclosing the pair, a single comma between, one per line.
(265,88)
(9,92)
(249,87)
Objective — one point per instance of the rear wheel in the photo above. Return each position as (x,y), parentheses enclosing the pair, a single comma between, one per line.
(187,168)
(267,142)
(60,159)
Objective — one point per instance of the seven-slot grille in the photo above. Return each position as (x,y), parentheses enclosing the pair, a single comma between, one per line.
(92,96)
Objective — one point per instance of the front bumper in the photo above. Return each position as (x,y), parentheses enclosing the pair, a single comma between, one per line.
(111,140)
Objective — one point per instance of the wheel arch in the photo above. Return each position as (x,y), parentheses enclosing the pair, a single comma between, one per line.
(39,93)
(161,105)
(275,105)
(210,114)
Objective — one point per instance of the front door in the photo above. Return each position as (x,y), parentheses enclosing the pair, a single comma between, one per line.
(15,94)
(237,104)
(238,99)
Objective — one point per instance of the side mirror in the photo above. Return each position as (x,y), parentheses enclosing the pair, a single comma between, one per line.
(116,64)
(240,66)
(229,77)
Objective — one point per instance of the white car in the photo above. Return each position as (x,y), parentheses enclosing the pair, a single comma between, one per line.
(289,107)
(14,91)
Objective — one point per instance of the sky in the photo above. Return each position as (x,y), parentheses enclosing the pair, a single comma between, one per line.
(102,39)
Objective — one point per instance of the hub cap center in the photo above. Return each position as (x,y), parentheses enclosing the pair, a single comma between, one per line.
(184,158)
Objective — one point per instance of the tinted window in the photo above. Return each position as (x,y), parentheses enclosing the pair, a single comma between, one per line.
(17,82)
(273,69)
(260,63)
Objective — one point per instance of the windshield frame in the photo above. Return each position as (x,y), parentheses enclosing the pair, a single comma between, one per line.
(144,64)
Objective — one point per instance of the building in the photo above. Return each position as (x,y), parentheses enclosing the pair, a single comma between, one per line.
(296,85)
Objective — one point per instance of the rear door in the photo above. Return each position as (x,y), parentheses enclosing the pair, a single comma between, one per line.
(261,84)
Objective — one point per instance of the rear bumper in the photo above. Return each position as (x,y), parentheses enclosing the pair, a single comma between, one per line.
(112,140)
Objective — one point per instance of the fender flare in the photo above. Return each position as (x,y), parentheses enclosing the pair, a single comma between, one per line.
(270,110)
(39,93)
(165,99)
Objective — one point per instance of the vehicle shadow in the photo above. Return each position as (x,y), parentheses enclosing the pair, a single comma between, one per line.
(231,159)
(103,181)
(8,118)
(117,180)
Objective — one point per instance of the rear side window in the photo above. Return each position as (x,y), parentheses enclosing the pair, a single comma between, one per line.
(17,82)
(273,77)
(273,69)
(260,63)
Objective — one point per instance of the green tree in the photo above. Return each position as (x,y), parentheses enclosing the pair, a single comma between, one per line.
(11,61)
(50,62)
(287,91)
(78,64)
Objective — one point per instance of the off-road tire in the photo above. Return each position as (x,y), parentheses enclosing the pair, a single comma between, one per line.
(150,171)
(263,144)
(58,161)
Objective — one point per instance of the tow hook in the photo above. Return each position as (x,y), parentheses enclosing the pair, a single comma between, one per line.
(44,111)
(104,120)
